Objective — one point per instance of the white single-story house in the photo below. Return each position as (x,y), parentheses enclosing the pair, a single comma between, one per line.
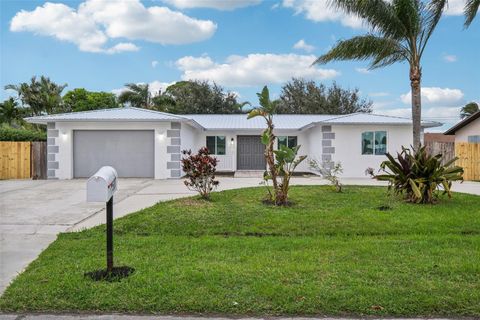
(467,130)
(148,144)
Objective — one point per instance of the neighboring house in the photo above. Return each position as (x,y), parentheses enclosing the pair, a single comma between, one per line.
(467,130)
(146,143)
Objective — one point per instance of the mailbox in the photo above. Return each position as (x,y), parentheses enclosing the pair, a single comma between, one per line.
(102,185)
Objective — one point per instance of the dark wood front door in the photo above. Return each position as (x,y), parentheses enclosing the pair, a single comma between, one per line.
(250,153)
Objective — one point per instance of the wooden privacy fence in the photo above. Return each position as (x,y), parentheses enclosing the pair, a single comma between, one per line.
(23,160)
(447,149)
(469,159)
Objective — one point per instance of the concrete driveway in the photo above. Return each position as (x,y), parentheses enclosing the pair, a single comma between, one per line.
(32,213)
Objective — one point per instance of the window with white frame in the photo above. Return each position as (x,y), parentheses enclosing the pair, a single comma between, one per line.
(288,141)
(374,142)
(216,145)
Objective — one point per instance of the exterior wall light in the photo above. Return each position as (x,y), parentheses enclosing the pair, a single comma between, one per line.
(232,141)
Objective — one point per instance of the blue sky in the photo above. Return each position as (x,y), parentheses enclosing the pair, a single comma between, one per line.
(240,44)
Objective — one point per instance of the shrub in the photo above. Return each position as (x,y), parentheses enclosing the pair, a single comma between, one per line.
(329,171)
(13,134)
(417,175)
(200,171)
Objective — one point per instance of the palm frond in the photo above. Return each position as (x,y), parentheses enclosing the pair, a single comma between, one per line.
(471,9)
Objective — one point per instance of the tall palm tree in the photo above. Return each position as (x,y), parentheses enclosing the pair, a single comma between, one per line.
(399,32)
(9,112)
(42,96)
(137,95)
(469,109)
(470,10)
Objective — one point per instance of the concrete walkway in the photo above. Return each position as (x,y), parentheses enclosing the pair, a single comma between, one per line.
(33,213)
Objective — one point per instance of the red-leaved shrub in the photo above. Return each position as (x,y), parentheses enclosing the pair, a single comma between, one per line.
(200,171)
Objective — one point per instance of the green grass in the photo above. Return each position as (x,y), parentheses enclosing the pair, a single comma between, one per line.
(329,254)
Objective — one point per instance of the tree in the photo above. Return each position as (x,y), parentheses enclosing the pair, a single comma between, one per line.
(470,10)
(80,99)
(282,162)
(469,109)
(197,97)
(399,31)
(9,112)
(137,95)
(40,96)
(306,97)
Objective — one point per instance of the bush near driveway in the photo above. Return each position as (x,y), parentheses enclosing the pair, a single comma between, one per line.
(329,254)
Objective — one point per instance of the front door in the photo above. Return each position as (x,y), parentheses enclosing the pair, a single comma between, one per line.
(250,153)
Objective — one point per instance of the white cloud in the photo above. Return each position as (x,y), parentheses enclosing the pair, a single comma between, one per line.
(455,7)
(302,45)
(212,4)
(96,22)
(321,11)
(253,69)
(437,96)
(362,70)
(450,58)
(379,94)
(154,63)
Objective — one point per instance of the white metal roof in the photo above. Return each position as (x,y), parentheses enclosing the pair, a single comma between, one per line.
(114,114)
(226,121)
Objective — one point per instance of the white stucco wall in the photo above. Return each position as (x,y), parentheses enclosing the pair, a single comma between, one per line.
(471,129)
(348,146)
(65,143)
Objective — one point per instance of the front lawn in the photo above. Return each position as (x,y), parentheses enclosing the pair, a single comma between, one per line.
(329,254)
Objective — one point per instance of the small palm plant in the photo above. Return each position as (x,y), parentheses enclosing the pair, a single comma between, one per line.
(418,175)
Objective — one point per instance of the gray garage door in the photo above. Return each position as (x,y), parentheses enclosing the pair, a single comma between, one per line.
(250,153)
(130,152)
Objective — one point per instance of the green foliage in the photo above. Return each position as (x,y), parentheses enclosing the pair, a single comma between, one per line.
(200,171)
(14,134)
(281,163)
(469,109)
(198,97)
(80,99)
(40,96)
(10,112)
(136,95)
(418,176)
(330,172)
(306,97)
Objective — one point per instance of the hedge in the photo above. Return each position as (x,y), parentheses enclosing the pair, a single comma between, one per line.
(12,134)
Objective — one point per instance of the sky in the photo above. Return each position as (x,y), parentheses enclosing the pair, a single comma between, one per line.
(240,44)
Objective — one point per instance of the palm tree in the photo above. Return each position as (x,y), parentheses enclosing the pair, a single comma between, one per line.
(470,10)
(137,95)
(399,32)
(42,96)
(469,109)
(9,112)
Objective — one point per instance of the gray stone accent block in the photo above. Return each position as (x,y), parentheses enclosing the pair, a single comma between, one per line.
(50,173)
(175,125)
(173,149)
(328,135)
(175,157)
(52,165)
(326,157)
(175,141)
(175,173)
(328,150)
(326,128)
(52,149)
(51,157)
(326,143)
(173,133)
(51,125)
(173,165)
(52,133)
(50,141)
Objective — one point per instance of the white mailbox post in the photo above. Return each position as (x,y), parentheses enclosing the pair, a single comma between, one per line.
(100,188)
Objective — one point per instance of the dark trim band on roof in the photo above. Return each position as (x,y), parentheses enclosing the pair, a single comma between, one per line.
(462,123)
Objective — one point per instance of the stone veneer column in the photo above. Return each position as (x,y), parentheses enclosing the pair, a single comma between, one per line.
(327,149)
(52,151)
(173,149)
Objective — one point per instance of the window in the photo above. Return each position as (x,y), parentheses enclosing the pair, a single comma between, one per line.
(288,141)
(474,139)
(216,145)
(374,142)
